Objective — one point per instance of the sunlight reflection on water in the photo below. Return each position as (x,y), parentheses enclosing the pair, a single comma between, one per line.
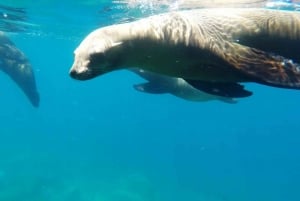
(49,18)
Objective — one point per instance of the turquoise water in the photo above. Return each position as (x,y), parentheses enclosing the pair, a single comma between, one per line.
(100,140)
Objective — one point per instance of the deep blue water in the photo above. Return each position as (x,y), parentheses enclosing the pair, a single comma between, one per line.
(100,140)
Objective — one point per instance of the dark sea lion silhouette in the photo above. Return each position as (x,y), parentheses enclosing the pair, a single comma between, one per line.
(212,49)
(160,84)
(15,64)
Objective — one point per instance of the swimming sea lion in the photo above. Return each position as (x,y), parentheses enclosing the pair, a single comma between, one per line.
(220,47)
(15,64)
(160,84)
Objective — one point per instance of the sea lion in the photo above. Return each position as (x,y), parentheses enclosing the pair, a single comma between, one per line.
(220,47)
(160,84)
(15,64)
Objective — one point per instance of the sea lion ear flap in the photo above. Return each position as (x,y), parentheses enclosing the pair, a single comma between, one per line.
(224,89)
(264,67)
(150,87)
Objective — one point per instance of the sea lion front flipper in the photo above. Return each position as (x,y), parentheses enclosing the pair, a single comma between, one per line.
(263,67)
(224,89)
(150,87)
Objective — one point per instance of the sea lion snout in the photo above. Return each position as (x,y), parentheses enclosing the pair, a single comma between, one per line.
(73,73)
(79,69)
(82,72)
(92,65)
(79,73)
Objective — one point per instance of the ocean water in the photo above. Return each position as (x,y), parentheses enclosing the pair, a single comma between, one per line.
(100,140)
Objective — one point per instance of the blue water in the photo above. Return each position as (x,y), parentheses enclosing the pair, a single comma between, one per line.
(100,140)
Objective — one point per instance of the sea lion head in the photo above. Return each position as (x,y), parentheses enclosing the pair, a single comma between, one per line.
(98,53)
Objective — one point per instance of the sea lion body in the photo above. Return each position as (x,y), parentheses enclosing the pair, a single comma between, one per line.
(211,45)
(15,64)
(160,84)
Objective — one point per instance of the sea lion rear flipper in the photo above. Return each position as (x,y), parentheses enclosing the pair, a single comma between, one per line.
(225,89)
(263,67)
(150,87)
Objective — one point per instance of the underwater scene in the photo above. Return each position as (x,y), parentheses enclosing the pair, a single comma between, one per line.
(69,133)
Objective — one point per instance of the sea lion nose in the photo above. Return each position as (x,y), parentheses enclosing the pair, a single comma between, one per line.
(73,73)
(81,73)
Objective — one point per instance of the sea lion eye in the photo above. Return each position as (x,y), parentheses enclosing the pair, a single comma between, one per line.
(97,59)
